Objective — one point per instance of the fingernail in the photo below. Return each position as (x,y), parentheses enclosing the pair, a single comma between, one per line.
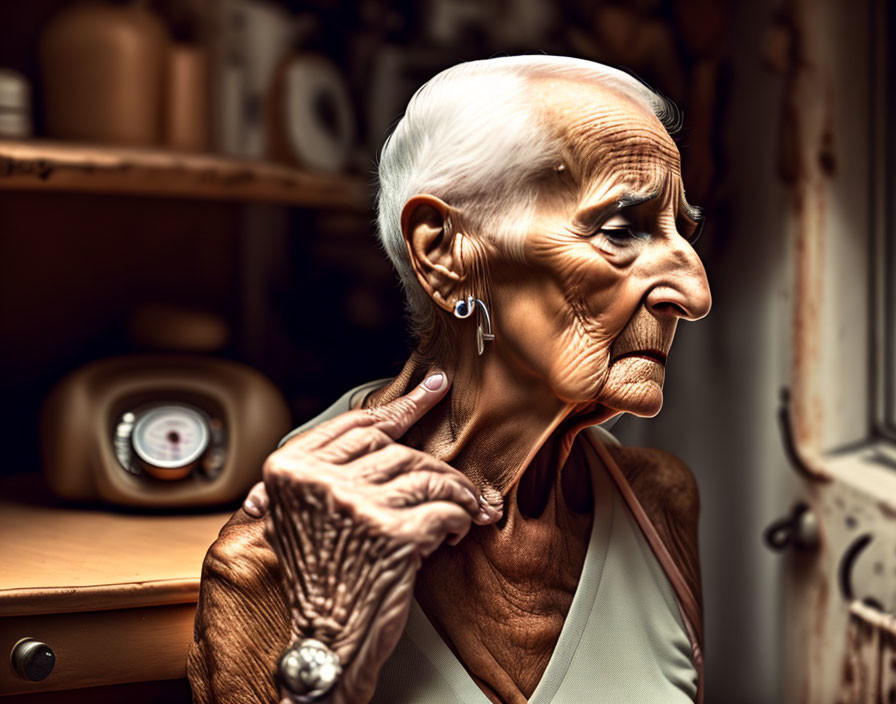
(249,506)
(434,382)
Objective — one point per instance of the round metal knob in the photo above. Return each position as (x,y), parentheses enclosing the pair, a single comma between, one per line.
(32,660)
(798,530)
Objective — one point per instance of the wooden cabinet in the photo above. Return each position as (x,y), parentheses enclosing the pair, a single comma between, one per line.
(113,594)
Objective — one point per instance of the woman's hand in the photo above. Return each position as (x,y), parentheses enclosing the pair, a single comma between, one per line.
(351,515)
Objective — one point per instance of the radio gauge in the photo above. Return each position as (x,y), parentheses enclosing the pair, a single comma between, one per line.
(169,440)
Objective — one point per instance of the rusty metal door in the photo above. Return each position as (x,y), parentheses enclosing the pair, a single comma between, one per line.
(839,542)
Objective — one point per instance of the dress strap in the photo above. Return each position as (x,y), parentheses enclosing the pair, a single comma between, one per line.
(686,600)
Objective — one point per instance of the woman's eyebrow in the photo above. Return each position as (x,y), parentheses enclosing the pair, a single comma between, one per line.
(630,200)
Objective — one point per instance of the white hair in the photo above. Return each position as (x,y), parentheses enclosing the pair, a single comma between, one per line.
(473,136)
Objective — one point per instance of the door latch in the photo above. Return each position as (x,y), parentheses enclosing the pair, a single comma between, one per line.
(799,530)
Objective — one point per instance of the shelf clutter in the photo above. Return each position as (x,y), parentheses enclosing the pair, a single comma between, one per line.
(80,168)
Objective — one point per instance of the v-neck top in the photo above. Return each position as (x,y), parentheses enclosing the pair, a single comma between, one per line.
(624,639)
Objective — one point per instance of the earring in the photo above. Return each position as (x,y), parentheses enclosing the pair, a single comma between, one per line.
(464,309)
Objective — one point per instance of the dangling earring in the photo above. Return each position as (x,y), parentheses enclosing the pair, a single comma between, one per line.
(464,309)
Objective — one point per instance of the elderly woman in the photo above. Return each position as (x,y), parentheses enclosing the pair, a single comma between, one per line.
(464,532)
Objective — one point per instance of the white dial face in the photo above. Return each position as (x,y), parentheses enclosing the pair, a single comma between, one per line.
(170,436)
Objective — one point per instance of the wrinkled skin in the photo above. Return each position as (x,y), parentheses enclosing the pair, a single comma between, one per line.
(583,327)
(353,515)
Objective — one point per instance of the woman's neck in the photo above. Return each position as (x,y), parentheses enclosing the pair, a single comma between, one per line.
(512,436)
(496,424)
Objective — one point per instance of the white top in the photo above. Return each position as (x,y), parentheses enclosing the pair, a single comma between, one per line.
(624,639)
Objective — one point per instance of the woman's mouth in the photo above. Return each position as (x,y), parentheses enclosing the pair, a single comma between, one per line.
(652,355)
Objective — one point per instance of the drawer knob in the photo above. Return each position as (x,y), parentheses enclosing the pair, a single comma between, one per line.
(32,660)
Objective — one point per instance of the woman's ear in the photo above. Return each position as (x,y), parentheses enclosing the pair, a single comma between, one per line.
(434,247)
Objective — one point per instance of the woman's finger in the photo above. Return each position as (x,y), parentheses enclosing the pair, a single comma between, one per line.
(396,418)
(422,487)
(393,418)
(393,460)
(256,503)
(430,524)
(354,443)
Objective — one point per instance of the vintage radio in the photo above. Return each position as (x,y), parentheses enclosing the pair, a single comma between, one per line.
(160,431)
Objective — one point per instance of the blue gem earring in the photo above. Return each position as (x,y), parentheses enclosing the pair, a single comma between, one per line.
(464,309)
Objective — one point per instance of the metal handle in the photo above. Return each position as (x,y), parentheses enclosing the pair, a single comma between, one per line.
(848,561)
(791,449)
(799,530)
(32,660)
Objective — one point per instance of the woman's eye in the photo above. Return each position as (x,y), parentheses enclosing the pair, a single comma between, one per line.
(620,238)
(620,229)
(621,234)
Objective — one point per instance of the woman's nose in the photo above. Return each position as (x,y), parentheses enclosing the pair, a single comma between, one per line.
(682,289)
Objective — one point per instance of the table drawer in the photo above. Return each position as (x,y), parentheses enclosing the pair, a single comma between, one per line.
(102,647)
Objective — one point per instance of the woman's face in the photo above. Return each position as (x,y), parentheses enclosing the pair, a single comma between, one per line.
(608,266)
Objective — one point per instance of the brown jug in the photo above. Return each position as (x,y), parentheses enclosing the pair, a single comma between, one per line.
(103,66)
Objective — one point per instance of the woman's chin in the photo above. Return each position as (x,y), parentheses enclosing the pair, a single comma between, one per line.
(649,409)
(635,387)
(631,385)
(642,402)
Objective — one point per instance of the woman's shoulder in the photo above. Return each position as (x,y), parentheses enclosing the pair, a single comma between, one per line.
(659,478)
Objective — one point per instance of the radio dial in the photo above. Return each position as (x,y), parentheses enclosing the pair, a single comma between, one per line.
(169,440)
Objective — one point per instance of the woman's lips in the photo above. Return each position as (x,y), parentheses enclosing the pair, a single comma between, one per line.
(652,355)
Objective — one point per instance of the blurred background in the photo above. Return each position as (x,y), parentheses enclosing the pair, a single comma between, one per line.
(196,177)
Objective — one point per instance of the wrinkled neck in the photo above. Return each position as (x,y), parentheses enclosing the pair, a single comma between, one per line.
(496,424)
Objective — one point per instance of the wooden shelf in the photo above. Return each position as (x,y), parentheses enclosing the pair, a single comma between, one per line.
(78,168)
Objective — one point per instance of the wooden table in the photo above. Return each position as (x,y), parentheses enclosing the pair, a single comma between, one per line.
(113,593)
